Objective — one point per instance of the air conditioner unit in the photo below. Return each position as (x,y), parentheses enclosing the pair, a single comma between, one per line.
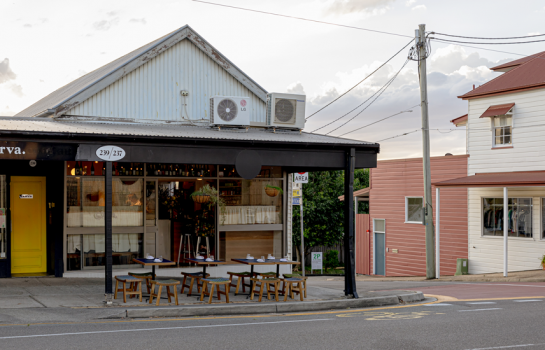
(229,110)
(286,111)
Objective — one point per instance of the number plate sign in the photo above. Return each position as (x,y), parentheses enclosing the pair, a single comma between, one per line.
(110,153)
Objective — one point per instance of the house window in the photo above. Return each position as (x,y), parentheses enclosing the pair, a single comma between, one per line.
(502,130)
(413,210)
(519,217)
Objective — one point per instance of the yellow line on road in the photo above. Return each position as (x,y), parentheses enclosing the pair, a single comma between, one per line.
(445,298)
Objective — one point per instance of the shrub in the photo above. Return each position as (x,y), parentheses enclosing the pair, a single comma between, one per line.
(331,259)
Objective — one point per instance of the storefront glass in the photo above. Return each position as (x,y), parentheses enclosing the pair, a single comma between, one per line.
(519,217)
(3,219)
(125,247)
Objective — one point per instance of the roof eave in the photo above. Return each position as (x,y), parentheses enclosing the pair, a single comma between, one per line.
(470,96)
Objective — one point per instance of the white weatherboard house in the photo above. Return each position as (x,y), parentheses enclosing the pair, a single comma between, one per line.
(505,142)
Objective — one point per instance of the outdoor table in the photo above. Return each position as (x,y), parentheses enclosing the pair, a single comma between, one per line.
(150,262)
(253,262)
(204,263)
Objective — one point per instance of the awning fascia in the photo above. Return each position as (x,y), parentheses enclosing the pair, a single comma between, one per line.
(510,179)
(493,111)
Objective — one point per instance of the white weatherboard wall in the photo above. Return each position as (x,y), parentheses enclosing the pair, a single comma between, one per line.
(527,154)
(152,91)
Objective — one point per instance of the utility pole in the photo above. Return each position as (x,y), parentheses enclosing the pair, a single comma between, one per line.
(421,48)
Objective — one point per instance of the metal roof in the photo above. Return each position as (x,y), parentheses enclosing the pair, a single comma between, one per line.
(495,110)
(506,179)
(15,125)
(77,91)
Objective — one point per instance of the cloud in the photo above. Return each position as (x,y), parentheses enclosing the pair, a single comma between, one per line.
(138,20)
(349,6)
(419,7)
(534,33)
(409,2)
(16,89)
(106,24)
(451,58)
(6,74)
(112,13)
(27,25)
(296,88)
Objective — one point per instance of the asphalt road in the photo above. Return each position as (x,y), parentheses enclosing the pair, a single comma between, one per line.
(498,324)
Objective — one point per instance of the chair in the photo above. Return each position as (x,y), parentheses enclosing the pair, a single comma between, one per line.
(265,283)
(161,284)
(241,276)
(295,285)
(304,278)
(193,276)
(147,276)
(213,282)
(185,241)
(134,289)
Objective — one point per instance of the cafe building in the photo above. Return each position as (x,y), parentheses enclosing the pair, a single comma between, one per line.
(155,128)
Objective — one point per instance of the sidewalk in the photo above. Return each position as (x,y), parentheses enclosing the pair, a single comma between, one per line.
(49,299)
(519,276)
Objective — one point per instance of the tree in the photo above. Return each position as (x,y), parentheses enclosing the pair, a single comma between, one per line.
(323,211)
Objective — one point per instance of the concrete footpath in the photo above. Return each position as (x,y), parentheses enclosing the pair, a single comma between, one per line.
(49,299)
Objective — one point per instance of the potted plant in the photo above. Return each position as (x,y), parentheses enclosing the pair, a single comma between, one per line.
(209,196)
(273,191)
(543,262)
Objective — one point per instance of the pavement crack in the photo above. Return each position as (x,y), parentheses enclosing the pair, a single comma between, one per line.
(36,300)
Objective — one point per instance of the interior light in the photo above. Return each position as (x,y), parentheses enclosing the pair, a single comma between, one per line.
(199,179)
(73,172)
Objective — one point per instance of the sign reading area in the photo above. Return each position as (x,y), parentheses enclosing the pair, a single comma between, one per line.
(300,178)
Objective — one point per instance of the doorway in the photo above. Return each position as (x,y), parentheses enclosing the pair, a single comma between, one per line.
(28,235)
(379,229)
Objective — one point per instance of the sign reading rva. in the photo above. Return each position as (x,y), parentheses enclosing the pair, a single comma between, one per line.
(300,178)
(26,196)
(110,153)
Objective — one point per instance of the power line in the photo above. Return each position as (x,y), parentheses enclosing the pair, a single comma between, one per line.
(472,37)
(364,79)
(304,19)
(482,48)
(393,137)
(506,43)
(378,121)
(363,110)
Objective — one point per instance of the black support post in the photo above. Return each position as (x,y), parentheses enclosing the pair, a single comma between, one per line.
(349,266)
(108,229)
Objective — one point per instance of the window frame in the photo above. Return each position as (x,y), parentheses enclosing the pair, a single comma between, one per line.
(532,237)
(494,127)
(373,240)
(407,210)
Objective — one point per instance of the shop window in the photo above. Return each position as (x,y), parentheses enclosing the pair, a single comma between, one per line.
(85,202)
(180,170)
(238,244)
(502,130)
(519,217)
(73,252)
(98,169)
(413,210)
(266,171)
(251,202)
(3,218)
(151,203)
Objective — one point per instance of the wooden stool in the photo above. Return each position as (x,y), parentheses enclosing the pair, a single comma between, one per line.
(193,276)
(290,282)
(304,278)
(241,276)
(265,283)
(135,287)
(215,282)
(265,274)
(161,283)
(148,276)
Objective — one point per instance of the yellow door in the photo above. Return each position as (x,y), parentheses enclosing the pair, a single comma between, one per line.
(28,234)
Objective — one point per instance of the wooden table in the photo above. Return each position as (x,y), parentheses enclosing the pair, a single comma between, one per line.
(150,262)
(204,263)
(253,262)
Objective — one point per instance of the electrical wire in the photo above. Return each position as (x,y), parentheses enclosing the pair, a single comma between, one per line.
(378,121)
(472,37)
(393,137)
(361,81)
(380,93)
(303,19)
(482,48)
(475,43)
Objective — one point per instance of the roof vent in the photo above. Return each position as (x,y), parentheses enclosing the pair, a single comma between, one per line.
(448,154)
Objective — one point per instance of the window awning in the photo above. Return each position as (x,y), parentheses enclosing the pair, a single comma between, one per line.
(508,179)
(497,110)
(364,192)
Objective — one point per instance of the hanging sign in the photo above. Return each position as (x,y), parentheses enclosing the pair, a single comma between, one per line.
(110,153)
(300,178)
(296,201)
(297,193)
(316,263)
(2,218)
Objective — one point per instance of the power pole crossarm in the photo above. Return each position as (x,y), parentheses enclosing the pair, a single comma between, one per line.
(421,48)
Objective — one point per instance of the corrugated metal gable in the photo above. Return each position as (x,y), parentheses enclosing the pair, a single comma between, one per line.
(152,91)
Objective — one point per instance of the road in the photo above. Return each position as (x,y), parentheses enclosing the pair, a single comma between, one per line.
(497,321)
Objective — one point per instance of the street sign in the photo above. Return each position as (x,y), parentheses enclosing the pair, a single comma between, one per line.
(316,261)
(297,193)
(300,178)
(2,218)
(296,201)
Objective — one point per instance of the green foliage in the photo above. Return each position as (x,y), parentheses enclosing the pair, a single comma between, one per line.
(542,259)
(275,188)
(331,259)
(215,198)
(323,211)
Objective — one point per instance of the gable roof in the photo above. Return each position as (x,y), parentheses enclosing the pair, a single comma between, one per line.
(510,65)
(79,90)
(528,73)
(460,121)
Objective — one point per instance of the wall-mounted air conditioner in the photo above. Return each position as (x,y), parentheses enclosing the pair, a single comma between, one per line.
(286,111)
(228,110)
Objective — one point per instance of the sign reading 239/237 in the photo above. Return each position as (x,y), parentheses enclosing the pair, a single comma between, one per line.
(110,153)
(300,178)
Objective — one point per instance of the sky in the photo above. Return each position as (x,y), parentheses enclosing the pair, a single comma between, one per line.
(47,44)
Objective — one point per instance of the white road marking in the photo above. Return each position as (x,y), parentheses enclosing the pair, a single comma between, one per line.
(509,346)
(526,300)
(440,304)
(161,329)
(492,308)
(482,302)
